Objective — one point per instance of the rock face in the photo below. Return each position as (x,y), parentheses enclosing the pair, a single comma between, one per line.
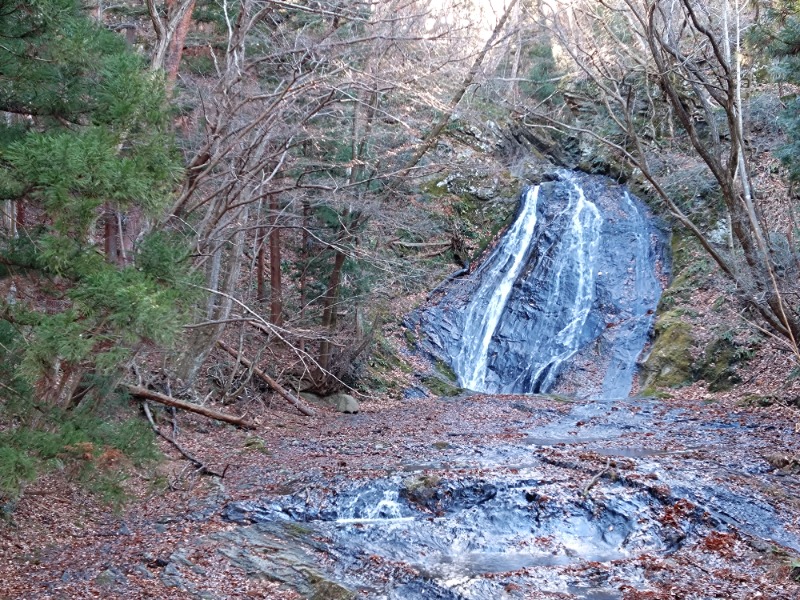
(566,301)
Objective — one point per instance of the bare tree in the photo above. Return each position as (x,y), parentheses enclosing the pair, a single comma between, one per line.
(312,110)
(686,55)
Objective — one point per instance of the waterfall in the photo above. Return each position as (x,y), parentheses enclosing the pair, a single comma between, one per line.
(565,302)
(483,315)
(572,294)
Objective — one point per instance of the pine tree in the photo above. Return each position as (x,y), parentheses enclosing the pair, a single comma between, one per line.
(84,134)
(780,33)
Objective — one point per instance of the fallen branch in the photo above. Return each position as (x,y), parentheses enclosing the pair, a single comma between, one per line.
(141,392)
(433,253)
(195,461)
(267,379)
(461,272)
(420,244)
(596,478)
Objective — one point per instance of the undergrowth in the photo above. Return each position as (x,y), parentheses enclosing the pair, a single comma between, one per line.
(97,450)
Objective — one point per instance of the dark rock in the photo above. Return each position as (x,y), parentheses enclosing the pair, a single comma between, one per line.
(111,576)
(522,407)
(171,577)
(414,393)
(581,304)
(280,554)
(435,495)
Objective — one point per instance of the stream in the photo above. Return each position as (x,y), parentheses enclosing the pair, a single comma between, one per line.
(585,503)
(507,493)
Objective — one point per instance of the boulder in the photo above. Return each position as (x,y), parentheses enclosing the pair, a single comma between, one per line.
(344,403)
(312,398)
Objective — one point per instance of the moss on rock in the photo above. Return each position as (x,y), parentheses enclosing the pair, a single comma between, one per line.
(443,381)
(719,361)
(440,387)
(670,361)
(328,590)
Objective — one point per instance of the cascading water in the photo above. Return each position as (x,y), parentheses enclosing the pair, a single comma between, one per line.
(566,300)
(501,272)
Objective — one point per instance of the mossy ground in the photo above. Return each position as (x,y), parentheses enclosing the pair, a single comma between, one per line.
(442,381)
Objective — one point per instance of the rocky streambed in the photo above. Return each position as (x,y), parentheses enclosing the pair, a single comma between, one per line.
(473,497)
(525,497)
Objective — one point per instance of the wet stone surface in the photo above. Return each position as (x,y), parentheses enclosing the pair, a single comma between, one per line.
(599,500)
(571,289)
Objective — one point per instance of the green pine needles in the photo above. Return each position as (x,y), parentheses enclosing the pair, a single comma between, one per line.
(87,163)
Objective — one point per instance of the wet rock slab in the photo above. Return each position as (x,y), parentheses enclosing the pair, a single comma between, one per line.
(591,504)
(568,296)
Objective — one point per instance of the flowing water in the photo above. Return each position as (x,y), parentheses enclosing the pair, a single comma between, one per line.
(598,501)
(500,273)
(579,508)
(566,301)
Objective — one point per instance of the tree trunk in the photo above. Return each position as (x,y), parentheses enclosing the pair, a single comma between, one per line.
(223,277)
(111,236)
(434,133)
(260,266)
(305,253)
(175,51)
(140,392)
(275,298)
(329,311)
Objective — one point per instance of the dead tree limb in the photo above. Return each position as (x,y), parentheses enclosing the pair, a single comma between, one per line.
(461,272)
(141,392)
(433,135)
(596,478)
(419,244)
(267,379)
(201,467)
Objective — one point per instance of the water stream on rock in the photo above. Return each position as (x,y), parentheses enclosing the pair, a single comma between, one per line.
(589,500)
(533,517)
(502,271)
(566,301)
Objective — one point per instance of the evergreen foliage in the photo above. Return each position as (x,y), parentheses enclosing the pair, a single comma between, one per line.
(781,35)
(86,132)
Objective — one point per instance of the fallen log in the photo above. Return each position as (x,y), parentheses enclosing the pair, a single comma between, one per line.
(419,244)
(461,272)
(267,379)
(140,392)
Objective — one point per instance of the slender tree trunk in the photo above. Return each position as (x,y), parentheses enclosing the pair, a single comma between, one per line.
(275,298)
(166,28)
(513,85)
(305,254)
(260,266)
(14,217)
(434,133)
(111,236)
(175,51)
(223,276)
(141,392)
(135,224)
(329,312)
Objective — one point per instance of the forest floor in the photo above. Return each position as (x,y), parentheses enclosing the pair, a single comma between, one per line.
(170,543)
(694,454)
